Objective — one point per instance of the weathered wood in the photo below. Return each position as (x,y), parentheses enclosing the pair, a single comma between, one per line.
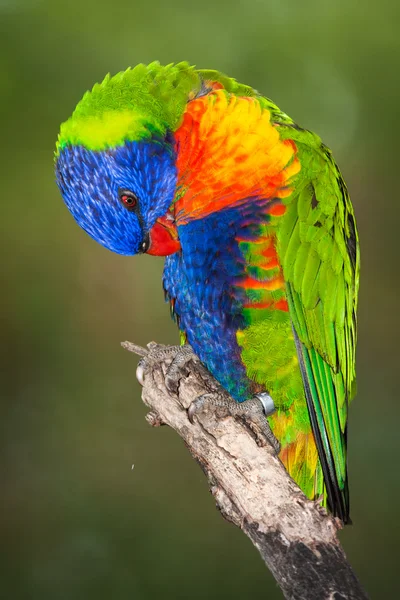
(295,537)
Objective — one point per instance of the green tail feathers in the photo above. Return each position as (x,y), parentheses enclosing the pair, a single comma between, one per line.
(330,440)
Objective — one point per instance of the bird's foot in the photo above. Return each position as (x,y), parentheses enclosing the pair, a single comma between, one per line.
(179,367)
(252,412)
(180,356)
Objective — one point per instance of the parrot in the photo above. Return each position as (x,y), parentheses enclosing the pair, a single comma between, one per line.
(259,237)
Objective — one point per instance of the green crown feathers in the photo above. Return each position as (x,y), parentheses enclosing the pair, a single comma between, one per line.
(138,103)
(132,105)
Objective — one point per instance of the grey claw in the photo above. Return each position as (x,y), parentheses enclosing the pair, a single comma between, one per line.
(171,384)
(191,412)
(178,368)
(194,408)
(140,373)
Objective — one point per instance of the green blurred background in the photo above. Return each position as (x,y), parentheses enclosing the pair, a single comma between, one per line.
(77,521)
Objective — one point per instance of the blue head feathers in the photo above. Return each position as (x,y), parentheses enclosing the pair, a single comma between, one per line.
(116,195)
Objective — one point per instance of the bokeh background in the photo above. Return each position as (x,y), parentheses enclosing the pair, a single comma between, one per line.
(95,504)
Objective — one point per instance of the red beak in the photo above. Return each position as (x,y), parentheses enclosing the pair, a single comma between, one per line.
(164,237)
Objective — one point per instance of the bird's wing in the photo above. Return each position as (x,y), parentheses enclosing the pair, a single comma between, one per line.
(319,254)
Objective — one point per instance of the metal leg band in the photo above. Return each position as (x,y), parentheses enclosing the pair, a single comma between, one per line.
(267,402)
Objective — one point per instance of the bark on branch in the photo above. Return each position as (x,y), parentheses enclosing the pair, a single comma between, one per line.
(296,538)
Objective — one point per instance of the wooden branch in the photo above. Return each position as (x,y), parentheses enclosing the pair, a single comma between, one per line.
(295,537)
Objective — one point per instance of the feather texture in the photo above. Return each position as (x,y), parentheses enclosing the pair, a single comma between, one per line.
(265,283)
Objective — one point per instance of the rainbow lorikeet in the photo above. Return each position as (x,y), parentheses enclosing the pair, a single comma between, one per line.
(262,256)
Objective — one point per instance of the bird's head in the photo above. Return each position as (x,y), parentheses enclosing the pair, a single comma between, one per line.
(115,158)
(158,145)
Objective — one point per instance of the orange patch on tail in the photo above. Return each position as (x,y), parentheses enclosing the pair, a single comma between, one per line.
(300,457)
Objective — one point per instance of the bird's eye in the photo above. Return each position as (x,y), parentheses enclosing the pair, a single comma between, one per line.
(128,199)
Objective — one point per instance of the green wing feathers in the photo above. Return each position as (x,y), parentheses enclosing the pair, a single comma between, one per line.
(318,249)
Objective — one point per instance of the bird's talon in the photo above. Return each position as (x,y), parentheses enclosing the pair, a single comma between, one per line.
(178,367)
(157,354)
(191,413)
(140,372)
(171,385)
(194,408)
